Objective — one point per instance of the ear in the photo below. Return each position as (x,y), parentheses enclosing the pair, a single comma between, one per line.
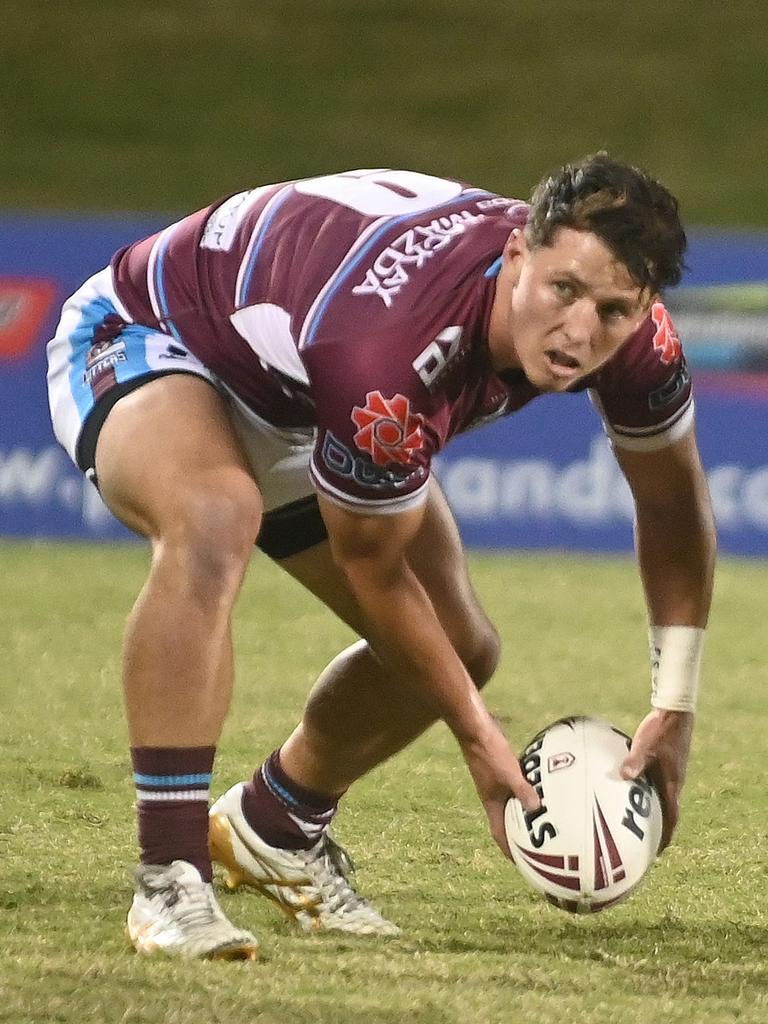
(515,251)
(515,243)
(647,300)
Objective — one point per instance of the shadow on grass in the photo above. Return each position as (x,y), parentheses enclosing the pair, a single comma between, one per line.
(702,958)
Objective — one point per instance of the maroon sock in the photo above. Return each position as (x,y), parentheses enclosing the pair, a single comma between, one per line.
(172,789)
(283,813)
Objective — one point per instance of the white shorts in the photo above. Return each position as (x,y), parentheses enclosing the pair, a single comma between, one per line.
(99,354)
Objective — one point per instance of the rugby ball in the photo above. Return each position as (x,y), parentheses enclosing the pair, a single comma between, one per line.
(595,835)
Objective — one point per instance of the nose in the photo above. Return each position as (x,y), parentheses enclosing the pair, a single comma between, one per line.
(582,323)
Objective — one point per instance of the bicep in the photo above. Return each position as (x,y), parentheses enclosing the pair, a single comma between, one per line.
(366,544)
(666,476)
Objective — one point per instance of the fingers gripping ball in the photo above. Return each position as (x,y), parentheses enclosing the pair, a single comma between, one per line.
(596,835)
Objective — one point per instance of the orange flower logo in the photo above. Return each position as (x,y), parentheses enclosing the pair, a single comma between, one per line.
(666,340)
(387,429)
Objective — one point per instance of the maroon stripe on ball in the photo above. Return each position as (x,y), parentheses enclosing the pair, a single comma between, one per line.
(613,850)
(601,882)
(567,881)
(550,860)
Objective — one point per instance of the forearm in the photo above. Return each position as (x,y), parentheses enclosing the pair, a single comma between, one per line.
(674,531)
(409,639)
(675,539)
(676,556)
(405,631)
(676,563)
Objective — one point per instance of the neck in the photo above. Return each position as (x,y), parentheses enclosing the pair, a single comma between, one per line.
(500,345)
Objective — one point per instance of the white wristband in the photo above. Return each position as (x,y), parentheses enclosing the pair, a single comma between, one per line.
(675,666)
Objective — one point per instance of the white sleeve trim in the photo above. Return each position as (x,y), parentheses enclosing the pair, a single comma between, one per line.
(653,438)
(376,507)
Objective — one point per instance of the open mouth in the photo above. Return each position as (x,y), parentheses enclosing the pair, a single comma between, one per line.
(561,364)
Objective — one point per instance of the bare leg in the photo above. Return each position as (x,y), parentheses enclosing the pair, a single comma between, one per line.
(170,468)
(356,715)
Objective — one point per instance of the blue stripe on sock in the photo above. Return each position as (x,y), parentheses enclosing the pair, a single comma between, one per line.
(172,781)
(280,791)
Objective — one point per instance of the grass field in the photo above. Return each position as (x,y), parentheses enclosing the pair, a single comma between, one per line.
(477,947)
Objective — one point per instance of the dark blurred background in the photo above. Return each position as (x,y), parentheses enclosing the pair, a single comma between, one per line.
(118,117)
(164,105)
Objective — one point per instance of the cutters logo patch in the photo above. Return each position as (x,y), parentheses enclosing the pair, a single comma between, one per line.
(387,429)
(666,340)
(102,357)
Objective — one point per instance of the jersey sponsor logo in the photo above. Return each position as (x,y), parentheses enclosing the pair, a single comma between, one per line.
(24,306)
(221,227)
(340,460)
(666,340)
(432,363)
(387,429)
(393,266)
(671,390)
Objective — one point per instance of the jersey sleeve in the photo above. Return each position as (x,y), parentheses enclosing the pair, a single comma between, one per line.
(375,440)
(644,394)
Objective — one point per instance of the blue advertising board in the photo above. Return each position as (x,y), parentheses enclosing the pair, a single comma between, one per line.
(42,261)
(544,477)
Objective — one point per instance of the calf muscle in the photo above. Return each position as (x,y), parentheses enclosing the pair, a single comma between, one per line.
(171,468)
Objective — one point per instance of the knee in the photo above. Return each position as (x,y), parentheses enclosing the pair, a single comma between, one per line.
(482,659)
(210,543)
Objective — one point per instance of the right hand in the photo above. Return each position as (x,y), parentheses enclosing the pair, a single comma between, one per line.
(496,772)
(661,746)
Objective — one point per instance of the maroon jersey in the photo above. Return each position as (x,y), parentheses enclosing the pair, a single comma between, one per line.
(358,303)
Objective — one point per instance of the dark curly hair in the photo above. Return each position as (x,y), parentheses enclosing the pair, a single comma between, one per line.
(636,216)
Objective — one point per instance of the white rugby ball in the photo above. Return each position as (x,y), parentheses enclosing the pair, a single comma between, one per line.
(596,835)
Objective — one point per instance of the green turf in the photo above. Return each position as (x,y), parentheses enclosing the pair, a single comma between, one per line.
(478,947)
(143,105)
(731,298)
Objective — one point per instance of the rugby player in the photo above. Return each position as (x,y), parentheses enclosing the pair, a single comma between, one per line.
(280,369)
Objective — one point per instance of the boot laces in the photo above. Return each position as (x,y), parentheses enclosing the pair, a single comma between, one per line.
(192,904)
(330,867)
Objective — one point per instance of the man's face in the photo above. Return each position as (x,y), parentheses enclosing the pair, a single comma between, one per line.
(572,306)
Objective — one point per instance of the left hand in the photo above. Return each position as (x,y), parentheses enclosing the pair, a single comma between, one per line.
(661,746)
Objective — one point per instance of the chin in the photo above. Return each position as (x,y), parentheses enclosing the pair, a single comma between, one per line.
(545,382)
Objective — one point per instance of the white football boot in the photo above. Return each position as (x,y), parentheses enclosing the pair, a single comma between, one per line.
(175,912)
(310,886)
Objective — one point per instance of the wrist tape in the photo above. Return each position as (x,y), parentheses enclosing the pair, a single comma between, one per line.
(675,666)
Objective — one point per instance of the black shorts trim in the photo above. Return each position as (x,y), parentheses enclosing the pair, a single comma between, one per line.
(85,452)
(287,530)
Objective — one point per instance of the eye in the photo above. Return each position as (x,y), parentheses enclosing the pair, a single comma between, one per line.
(564,289)
(613,312)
